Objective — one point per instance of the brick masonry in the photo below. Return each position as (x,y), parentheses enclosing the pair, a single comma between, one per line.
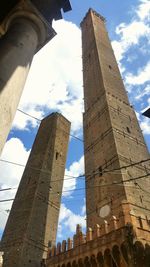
(118,212)
(113,138)
(32,224)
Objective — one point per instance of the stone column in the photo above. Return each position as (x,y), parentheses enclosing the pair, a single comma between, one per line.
(17,48)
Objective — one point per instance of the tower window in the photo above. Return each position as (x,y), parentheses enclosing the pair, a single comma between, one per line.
(128,130)
(110,67)
(140,222)
(100,171)
(57,154)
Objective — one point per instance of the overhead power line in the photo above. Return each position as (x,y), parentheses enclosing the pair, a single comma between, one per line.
(9,188)
(82,175)
(6,200)
(39,120)
(27,114)
(90,187)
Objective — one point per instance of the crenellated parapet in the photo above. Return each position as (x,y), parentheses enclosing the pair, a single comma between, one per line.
(113,241)
(107,229)
(81,238)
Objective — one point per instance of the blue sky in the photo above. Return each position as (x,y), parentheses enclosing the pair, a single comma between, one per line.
(55,84)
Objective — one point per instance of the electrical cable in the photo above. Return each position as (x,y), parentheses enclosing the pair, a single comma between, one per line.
(100,186)
(82,175)
(145,191)
(27,114)
(45,171)
(6,200)
(9,188)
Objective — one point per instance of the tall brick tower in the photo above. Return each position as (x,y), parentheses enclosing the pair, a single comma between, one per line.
(116,167)
(113,138)
(32,224)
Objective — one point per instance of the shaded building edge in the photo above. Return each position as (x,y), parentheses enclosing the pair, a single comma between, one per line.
(25,27)
(45,10)
(146,113)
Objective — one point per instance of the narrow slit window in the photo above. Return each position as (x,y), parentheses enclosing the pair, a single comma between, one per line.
(140,222)
(57,154)
(128,130)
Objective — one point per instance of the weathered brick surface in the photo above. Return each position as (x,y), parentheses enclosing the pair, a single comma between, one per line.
(112,244)
(118,226)
(33,220)
(112,134)
(118,213)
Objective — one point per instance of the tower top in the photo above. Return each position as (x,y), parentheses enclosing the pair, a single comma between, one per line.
(55,114)
(90,12)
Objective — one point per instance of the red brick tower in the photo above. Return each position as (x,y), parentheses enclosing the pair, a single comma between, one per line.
(32,224)
(117,197)
(113,138)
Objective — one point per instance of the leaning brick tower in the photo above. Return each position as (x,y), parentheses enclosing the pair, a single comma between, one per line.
(113,138)
(117,170)
(32,224)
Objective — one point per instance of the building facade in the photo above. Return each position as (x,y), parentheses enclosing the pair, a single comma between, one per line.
(32,224)
(113,138)
(117,168)
(25,27)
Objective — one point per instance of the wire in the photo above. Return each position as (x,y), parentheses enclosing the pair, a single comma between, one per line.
(109,201)
(6,200)
(27,114)
(133,179)
(75,137)
(142,189)
(81,176)
(70,177)
(11,162)
(5,212)
(131,165)
(9,188)
(102,185)
(118,169)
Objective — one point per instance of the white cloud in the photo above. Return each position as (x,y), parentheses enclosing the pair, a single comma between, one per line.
(130,34)
(55,79)
(133,39)
(143,76)
(138,115)
(70,220)
(11,174)
(143,11)
(76,169)
(22,121)
(145,125)
(145,91)
(14,151)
